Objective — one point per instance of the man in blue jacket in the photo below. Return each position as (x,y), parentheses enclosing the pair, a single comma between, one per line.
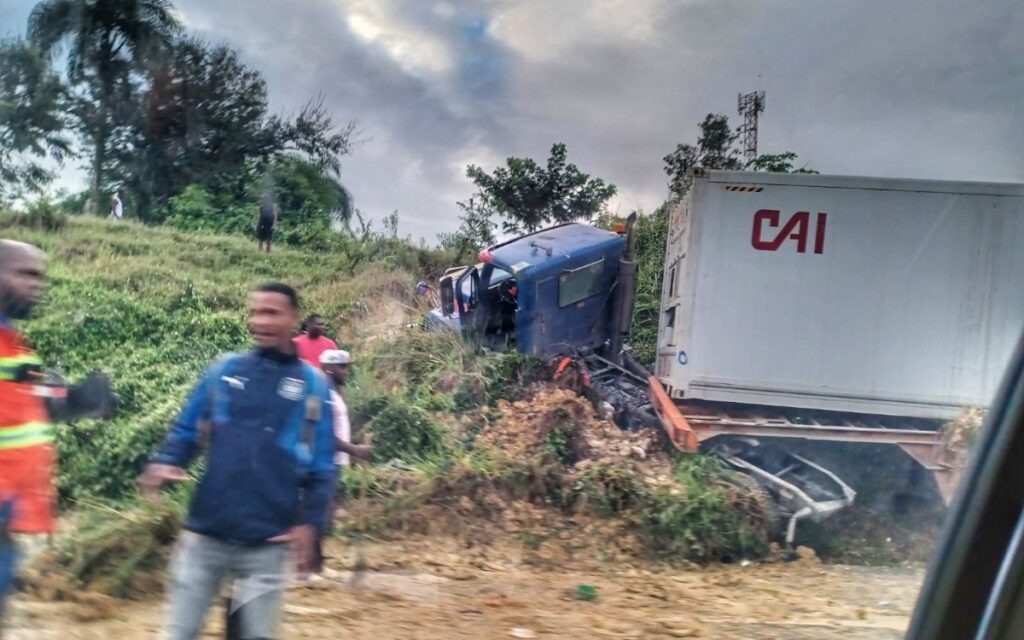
(265,418)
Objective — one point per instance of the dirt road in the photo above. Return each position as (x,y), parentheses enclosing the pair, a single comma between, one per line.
(432,590)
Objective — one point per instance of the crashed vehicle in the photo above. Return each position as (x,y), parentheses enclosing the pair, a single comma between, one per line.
(760,301)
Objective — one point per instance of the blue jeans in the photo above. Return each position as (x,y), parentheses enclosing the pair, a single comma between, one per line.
(8,555)
(198,569)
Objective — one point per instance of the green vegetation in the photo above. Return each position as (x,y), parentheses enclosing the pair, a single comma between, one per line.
(152,306)
(182,128)
(528,196)
(650,233)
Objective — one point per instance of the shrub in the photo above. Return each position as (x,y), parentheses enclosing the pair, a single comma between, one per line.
(405,431)
(42,215)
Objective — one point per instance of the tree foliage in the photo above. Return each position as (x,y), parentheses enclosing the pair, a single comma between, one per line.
(306,196)
(202,120)
(716,149)
(528,196)
(784,162)
(184,126)
(475,232)
(32,118)
(106,41)
(315,135)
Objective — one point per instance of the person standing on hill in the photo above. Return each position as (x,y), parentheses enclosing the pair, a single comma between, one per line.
(311,344)
(267,422)
(117,205)
(266,222)
(335,365)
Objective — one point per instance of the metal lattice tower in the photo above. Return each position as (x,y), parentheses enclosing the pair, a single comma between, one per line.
(750,105)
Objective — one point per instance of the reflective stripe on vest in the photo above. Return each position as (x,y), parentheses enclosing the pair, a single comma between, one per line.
(12,366)
(26,435)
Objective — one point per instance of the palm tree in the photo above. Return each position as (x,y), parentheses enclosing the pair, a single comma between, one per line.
(107,38)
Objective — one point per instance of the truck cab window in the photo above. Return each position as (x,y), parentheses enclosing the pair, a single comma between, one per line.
(579,284)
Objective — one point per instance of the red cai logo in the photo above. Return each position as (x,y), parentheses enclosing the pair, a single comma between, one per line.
(797,228)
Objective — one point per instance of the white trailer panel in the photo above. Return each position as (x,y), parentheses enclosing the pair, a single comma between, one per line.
(881,296)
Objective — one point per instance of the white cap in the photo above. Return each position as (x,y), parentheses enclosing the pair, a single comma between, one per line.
(335,356)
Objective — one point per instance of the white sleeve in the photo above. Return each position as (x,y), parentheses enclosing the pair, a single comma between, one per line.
(342,427)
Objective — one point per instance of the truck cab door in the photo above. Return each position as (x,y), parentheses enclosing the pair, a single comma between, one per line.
(467,301)
(447,287)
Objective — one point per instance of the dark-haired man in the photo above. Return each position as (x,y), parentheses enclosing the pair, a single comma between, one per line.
(266,222)
(266,419)
(311,344)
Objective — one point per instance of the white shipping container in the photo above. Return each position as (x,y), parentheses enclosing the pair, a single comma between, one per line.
(881,296)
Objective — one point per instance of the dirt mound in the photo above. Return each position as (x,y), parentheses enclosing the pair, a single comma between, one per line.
(559,422)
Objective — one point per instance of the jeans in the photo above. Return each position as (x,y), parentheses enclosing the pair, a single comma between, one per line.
(199,567)
(8,555)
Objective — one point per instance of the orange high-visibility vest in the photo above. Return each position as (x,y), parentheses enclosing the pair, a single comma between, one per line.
(26,437)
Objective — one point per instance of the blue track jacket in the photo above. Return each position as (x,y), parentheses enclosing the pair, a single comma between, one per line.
(260,479)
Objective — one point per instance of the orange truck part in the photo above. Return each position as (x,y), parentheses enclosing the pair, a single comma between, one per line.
(675,425)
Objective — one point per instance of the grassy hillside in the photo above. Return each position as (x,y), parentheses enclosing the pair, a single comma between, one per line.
(488,437)
(151,306)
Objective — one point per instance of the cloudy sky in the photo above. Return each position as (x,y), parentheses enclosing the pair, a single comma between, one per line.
(912,88)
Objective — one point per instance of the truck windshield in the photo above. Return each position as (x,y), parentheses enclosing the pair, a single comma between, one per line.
(498,276)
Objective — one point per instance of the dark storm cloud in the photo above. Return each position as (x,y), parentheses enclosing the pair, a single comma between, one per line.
(919,88)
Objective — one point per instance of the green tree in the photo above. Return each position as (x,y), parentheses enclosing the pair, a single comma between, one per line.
(32,121)
(784,162)
(201,120)
(107,40)
(314,135)
(715,149)
(528,196)
(475,232)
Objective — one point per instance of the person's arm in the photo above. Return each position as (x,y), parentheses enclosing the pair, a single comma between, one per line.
(275,219)
(181,443)
(361,451)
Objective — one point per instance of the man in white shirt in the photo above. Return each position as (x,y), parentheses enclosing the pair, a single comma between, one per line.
(335,364)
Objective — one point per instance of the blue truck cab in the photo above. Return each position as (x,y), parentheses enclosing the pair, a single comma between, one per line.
(546,293)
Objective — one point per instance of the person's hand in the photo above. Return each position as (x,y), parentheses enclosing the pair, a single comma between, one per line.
(360,451)
(156,475)
(302,539)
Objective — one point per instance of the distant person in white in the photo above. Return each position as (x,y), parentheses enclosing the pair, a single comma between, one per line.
(117,205)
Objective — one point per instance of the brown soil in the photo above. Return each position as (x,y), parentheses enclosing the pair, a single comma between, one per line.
(438,588)
(526,427)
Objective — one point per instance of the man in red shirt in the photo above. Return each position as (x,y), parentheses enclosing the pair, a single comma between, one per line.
(311,344)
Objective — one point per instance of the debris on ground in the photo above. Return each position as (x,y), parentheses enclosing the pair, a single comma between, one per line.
(559,422)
